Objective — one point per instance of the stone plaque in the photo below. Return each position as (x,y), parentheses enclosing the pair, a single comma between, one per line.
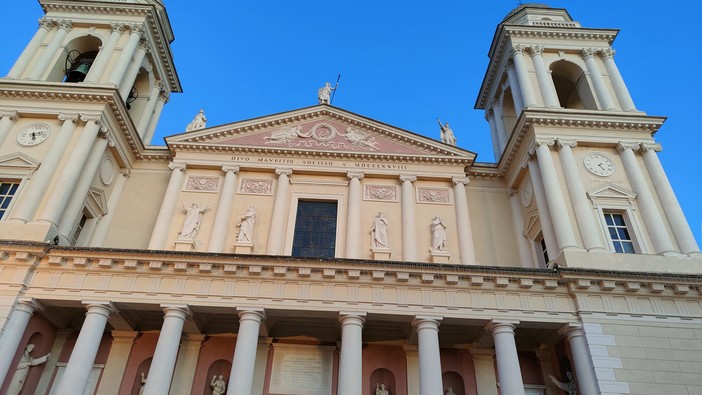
(381,192)
(301,370)
(433,195)
(202,184)
(255,186)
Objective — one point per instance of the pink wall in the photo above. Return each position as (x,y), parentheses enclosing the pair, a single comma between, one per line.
(391,358)
(143,349)
(215,351)
(458,362)
(531,370)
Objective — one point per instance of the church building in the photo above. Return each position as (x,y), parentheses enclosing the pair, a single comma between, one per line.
(321,252)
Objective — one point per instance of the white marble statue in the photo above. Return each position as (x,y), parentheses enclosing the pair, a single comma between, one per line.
(447,135)
(380,389)
(143,384)
(218,385)
(191,225)
(570,387)
(438,234)
(324,93)
(246,226)
(450,391)
(199,122)
(23,369)
(379,232)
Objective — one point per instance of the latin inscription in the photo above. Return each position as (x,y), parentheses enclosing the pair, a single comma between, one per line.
(323,163)
(301,370)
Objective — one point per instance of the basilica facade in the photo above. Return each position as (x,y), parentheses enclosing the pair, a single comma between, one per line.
(318,251)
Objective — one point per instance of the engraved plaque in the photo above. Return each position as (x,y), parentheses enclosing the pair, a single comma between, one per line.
(255,186)
(386,193)
(433,195)
(202,184)
(301,370)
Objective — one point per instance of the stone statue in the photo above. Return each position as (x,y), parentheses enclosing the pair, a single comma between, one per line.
(23,369)
(199,122)
(447,135)
(438,234)
(379,232)
(246,226)
(380,389)
(450,391)
(218,385)
(143,384)
(191,225)
(324,93)
(570,387)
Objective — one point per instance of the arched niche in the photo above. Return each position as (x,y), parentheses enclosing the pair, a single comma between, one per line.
(509,113)
(572,86)
(144,367)
(220,367)
(78,53)
(383,376)
(138,95)
(454,381)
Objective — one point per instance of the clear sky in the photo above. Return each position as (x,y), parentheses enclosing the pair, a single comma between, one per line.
(405,63)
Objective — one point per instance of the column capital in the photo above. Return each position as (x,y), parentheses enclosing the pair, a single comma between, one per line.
(408,177)
(352,318)
(460,180)
(510,65)
(257,314)
(65,25)
(63,116)
(655,147)
(622,146)
(137,28)
(126,173)
(96,118)
(177,166)
(548,141)
(607,53)
(517,49)
(426,322)
(489,113)
(502,326)
(482,353)
(572,330)
(283,170)
(181,311)
(560,143)
(12,115)
(118,27)
(536,50)
(233,169)
(45,23)
(587,53)
(147,47)
(29,305)
(355,174)
(99,307)
(124,337)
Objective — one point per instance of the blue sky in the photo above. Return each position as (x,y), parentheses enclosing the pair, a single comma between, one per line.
(405,63)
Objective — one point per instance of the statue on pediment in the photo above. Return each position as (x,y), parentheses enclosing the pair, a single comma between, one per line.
(199,122)
(26,362)
(360,139)
(246,226)
(191,225)
(447,135)
(438,234)
(324,93)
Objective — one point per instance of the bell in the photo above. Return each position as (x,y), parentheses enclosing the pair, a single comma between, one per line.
(78,74)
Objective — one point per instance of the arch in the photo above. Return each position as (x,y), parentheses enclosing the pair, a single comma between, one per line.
(382,376)
(572,86)
(220,367)
(138,95)
(80,51)
(509,113)
(144,367)
(453,380)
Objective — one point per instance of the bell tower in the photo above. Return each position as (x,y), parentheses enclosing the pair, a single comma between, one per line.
(77,109)
(566,132)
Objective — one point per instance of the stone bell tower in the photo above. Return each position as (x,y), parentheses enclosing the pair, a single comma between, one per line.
(569,138)
(77,108)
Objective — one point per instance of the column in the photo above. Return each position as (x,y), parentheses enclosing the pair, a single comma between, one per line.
(617,81)
(153,122)
(523,76)
(350,374)
(122,342)
(500,124)
(583,210)
(103,226)
(412,359)
(276,235)
(48,55)
(548,91)
(516,91)
(14,330)
(490,117)
(133,69)
(127,52)
(484,365)
(676,217)
(543,354)
(409,236)
(243,363)
(161,370)
(542,207)
(7,120)
(465,233)
(554,197)
(186,364)
(582,361)
(36,190)
(170,198)
(353,216)
(427,328)
(75,377)
(522,243)
(649,211)
(601,89)
(218,236)
(46,379)
(97,69)
(508,371)
(66,182)
(20,66)
(148,110)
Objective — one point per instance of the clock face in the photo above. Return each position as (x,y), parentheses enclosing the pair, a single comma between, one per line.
(526,192)
(33,134)
(599,165)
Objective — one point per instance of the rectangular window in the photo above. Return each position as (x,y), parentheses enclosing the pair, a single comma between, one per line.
(619,233)
(79,228)
(315,230)
(7,192)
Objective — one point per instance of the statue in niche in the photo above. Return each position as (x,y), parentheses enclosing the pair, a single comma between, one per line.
(324,93)
(143,384)
(450,391)
(570,387)
(199,122)
(438,234)
(23,369)
(447,135)
(246,226)
(379,232)
(191,225)
(380,389)
(218,385)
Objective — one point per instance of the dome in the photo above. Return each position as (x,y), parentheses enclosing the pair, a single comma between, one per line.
(523,6)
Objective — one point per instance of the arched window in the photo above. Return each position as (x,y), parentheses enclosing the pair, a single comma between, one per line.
(509,113)
(75,60)
(572,86)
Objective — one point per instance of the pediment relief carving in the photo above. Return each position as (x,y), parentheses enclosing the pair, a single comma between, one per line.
(611,191)
(18,160)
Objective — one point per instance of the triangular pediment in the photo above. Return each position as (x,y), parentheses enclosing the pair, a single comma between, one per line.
(610,191)
(320,129)
(18,160)
(97,201)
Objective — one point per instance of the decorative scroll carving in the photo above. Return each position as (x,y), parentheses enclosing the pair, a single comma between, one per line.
(256,186)
(322,135)
(202,184)
(433,195)
(380,192)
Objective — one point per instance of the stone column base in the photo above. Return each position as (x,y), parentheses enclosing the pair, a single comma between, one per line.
(243,248)
(381,254)
(439,256)
(184,245)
